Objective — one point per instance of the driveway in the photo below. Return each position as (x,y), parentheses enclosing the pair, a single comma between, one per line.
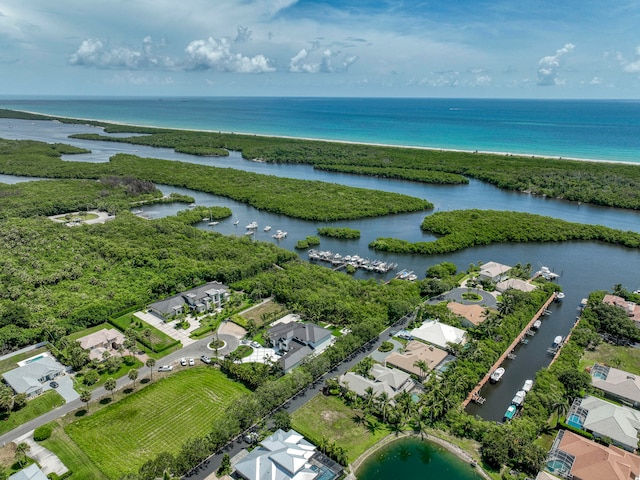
(170,327)
(65,388)
(380,357)
(260,354)
(488,300)
(48,461)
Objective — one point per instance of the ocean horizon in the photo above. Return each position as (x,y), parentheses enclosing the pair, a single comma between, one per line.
(604,130)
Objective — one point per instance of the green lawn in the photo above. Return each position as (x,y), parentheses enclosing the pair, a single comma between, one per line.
(160,417)
(160,340)
(72,457)
(11,363)
(624,358)
(34,408)
(329,417)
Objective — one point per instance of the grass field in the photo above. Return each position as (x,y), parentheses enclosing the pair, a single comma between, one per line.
(160,340)
(330,418)
(624,358)
(34,408)
(160,417)
(72,457)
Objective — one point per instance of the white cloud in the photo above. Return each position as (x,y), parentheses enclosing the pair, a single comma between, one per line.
(94,52)
(329,61)
(629,66)
(216,54)
(548,67)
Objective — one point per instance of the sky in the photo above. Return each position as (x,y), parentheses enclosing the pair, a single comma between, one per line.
(395,48)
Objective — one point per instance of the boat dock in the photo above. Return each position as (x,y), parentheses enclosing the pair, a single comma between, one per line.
(339,261)
(509,351)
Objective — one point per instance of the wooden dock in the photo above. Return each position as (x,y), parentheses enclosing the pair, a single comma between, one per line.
(509,351)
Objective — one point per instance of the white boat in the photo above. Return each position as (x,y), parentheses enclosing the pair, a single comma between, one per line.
(557,341)
(536,325)
(528,385)
(213,223)
(518,399)
(250,232)
(279,235)
(547,274)
(496,376)
(236,222)
(559,297)
(192,204)
(267,228)
(252,225)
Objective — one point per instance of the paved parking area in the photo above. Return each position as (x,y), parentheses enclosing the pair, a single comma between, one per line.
(48,461)
(65,388)
(170,327)
(260,354)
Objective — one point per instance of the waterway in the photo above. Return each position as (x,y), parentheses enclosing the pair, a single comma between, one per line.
(413,458)
(582,266)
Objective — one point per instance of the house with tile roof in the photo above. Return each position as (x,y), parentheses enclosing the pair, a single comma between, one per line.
(414,352)
(515,283)
(384,380)
(200,299)
(104,340)
(284,456)
(631,308)
(31,378)
(575,457)
(438,334)
(493,271)
(297,340)
(605,419)
(616,384)
(471,315)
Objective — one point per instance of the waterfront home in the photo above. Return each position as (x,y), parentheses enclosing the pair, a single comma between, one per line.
(200,299)
(295,341)
(384,380)
(616,384)
(515,283)
(286,456)
(32,377)
(104,340)
(438,334)
(471,315)
(631,308)
(575,457)
(493,271)
(416,352)
(604,419)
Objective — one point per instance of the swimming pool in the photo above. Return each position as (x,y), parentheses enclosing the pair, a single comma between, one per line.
(575,421)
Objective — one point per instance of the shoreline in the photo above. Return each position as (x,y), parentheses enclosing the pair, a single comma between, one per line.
(389,439)
(346,142)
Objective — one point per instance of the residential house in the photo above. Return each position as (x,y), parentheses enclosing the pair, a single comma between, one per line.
(284,456)
(384,380)
(32,472)
(472,315)
(105,340)
(439,334)
(201,299)
(515,283)
(617,384)
(296,340)
(632,309)
(493,271)
(415,352)
(32,377)
(578,458)
(605,419)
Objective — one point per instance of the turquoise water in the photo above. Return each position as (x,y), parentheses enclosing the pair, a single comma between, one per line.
(412,458)
(602,129)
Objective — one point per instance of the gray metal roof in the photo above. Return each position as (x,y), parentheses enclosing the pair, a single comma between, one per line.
(25,379)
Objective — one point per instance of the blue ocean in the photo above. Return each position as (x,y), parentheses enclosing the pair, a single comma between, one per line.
(584,129)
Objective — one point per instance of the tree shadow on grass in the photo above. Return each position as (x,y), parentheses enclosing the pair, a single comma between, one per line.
(128,390)
(105,401)
(81,413)
(145,380)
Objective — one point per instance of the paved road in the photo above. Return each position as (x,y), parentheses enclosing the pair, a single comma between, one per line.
(211,464)
(194,350)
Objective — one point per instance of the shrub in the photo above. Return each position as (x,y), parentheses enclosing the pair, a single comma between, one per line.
(43,432)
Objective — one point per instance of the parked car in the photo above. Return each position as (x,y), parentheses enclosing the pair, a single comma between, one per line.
(165,368)
(54,385)
(183,362)
(192,362)
(205,359)
(255,345)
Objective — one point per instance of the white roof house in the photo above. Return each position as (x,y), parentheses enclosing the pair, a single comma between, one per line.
(281,456)
(617,384)
(515,283)
(32,472)
(438,334)
(604,419)
(385,380)
(30,378)
(493,271)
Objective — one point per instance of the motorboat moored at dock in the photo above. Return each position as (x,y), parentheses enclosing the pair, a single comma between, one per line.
(510,413)
(536,325)
(497,375)
(518,399)
(528,385)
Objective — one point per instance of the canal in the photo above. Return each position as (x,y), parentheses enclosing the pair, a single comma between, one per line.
(582,266)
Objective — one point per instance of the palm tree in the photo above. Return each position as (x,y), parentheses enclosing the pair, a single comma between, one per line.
(423,367)
(133,375)
(110,385)
(560,407)
(150,363)
(384,402)
(21,452)
(85,396)
(369,397)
